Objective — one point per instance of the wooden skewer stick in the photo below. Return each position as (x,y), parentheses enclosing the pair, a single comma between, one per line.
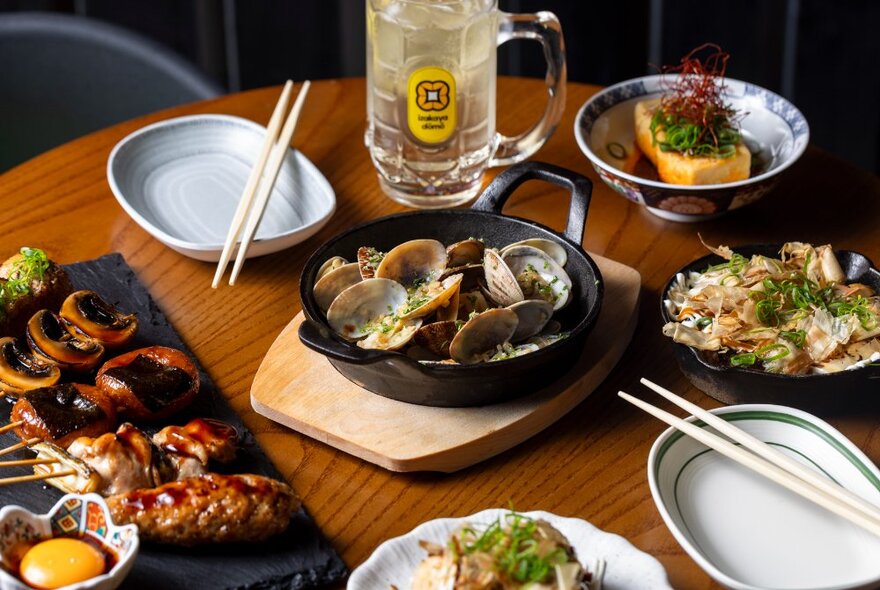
(18,446)
(10,426)
(27,462)
(276,159)
(37,477)
(247,196)
(760,466)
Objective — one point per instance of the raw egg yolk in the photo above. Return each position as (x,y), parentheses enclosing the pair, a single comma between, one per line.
(59,562)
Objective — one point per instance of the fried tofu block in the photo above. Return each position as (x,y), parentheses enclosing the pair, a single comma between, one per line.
(675,168)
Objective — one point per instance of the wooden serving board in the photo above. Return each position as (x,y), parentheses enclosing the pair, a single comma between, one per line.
(299,388)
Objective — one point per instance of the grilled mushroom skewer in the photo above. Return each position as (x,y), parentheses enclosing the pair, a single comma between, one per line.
(90,316)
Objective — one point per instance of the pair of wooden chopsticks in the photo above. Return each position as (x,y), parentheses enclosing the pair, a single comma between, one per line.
(263,175)
(764,460)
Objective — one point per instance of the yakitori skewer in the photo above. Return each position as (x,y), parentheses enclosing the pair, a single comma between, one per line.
(11,426)
(28,462)
(19,446)
(36,477)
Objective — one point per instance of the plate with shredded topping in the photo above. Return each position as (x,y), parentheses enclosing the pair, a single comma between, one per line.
(553,553)
(760,322)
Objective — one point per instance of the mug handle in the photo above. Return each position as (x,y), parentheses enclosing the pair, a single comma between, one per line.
(544,27)
(499,190)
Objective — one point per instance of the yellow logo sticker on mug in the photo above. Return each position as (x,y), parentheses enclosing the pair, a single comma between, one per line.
(431,105)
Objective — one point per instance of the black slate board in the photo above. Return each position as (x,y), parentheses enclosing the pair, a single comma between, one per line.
(300,558)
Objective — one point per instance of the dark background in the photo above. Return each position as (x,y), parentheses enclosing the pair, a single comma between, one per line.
(824,56)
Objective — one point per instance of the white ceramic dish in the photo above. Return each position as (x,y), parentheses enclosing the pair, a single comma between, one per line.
(749,533)
(773,128)
(181,180)
(73,515)
(627,568)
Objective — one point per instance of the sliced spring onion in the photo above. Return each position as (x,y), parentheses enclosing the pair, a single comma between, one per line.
(772,352)
(744,359)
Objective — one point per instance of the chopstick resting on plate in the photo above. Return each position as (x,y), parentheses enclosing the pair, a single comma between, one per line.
(261,181)
(764,460)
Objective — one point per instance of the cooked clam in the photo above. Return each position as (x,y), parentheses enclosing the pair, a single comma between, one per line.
(390,333)
(501,283)
(437,337)
(413,263)
(470,302)
(509,351)
(482,334)
(52,342)
(354,311)
(335,282)
(427,298)
(88,314)
(449,311)
(21,371)
(466,252)
(415,297)
(553,249)
(368,260)
(471,274)
(538,275)
(533,315)
(330,264)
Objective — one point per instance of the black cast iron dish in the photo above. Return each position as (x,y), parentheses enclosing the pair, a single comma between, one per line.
(393,374)
(843,391)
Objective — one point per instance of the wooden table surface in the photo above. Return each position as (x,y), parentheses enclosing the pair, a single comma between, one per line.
(590,464)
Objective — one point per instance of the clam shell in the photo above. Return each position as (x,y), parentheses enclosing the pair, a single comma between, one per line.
(437,337)
(330,264)
(434,295)
(334,282)
(464,253)
(519,350)
(533,315)
(522,260)
(449,311)
(500,280)
(364,303)
(482,334)
(413,262)
(472,273)
(554,249)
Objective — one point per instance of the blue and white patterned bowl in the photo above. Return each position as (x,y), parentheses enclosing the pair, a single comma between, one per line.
(82,516)
(774,129)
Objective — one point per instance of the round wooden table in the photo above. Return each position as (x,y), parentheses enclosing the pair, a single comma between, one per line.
(590,464)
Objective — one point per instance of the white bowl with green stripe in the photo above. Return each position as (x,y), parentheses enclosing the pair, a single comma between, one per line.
(749,533)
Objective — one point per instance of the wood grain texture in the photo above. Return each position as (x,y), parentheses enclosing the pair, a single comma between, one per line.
(299,388)
(591,464)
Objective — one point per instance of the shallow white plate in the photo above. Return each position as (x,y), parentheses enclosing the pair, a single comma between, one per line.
(181,180)
(627,568)
(749,533)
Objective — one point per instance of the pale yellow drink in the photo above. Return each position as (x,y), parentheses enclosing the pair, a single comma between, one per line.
(431,69)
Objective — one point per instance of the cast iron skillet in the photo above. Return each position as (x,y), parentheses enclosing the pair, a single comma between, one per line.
(832,393)
(393,374)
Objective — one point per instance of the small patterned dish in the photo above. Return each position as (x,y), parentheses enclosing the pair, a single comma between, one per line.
(83,517)
(181,180)
(774,130)
(749,533)
(394,562)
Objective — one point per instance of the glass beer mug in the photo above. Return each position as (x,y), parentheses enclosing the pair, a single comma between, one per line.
(431,70)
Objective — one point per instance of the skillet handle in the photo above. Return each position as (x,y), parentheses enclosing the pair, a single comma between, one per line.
(499,190)
(319,339)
